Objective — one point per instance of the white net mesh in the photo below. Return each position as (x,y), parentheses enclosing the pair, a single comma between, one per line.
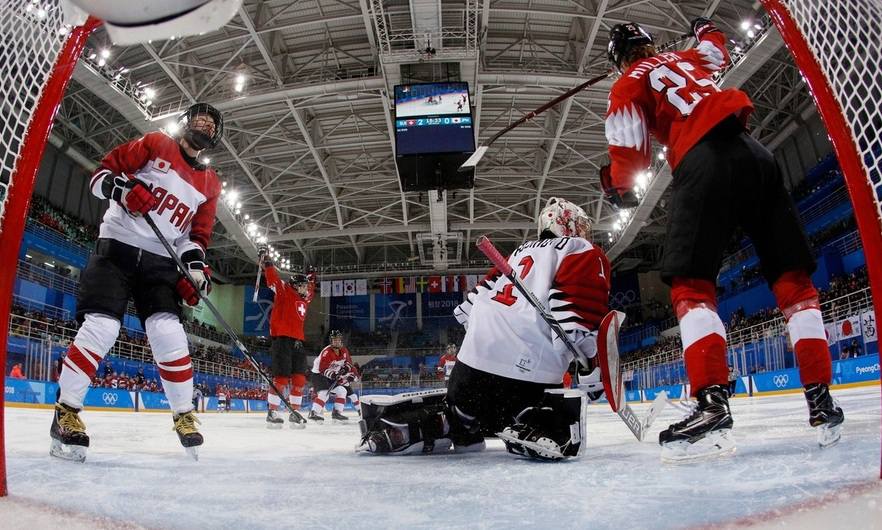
(32,34)
(845,36)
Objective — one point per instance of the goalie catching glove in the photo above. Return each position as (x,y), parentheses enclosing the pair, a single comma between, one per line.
(194,260)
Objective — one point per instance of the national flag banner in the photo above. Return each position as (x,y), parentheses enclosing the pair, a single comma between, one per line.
(349,287)
(472,281)
(385,286)
(830,330)
(454,284)
(337,288)
(325,289)
(436,284)
(422,284)
(361,287)
(868,326)
(398,285)
(410,284)
(848,328)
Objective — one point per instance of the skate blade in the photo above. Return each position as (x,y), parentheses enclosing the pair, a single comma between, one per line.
(544,451)
(829,436)
(73,453)
(716,444)
(274,426)
(296,426)
(193,452)
(340,422)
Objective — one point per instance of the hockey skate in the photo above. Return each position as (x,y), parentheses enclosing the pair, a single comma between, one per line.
(273,420)
(68,432)
(705,433)
(313,416)
(825,414)
(188,434)
(296,420)
(525,441)
(338,418)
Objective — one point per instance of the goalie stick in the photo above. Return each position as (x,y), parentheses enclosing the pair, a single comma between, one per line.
(607,347)
(479,153)
(216,313)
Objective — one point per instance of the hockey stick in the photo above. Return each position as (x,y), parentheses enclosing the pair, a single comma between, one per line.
(637,426)
(479,153)
(214,311)
(257,280)
(476,157)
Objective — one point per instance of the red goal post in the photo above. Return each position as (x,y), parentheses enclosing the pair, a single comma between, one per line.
(38,53)
(837,46)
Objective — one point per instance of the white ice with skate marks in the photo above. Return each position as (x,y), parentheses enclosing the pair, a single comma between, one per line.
(137,472)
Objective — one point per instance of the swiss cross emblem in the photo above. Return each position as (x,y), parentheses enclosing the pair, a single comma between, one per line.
(301,309)
(434,284)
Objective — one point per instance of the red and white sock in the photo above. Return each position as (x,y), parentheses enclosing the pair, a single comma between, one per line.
(354,399)
(798,300)
(272,399)
(298,381)
(318,404)
(170,351)
(92,342)
(702,333)
(339,403)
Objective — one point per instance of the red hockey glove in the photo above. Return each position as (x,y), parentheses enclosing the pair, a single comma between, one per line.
(132,194)
(702,26)
(201,274)
(617,197)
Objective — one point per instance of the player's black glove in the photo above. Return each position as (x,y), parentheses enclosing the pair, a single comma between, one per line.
(618,198)
(702,26)
(262,250)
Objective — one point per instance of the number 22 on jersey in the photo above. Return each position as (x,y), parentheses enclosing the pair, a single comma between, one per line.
(505,296)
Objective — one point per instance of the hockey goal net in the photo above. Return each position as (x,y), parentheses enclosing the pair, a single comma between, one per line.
(38,52)
(838,49)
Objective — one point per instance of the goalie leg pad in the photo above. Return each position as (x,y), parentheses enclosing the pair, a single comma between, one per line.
(552,430)
(411,423)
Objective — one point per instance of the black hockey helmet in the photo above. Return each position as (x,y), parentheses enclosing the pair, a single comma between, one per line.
(624,37)
(298,279)
(199,139)
(335,334)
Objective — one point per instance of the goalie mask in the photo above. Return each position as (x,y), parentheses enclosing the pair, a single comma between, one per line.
(202,126)
(562,218)
(622,39)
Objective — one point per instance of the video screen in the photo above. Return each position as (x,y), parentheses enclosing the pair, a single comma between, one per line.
(430,99)
(433,118)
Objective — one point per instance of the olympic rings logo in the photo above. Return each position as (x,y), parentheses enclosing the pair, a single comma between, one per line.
(781,380)
(110,398)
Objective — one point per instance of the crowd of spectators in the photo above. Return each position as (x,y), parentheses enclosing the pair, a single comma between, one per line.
(70,227)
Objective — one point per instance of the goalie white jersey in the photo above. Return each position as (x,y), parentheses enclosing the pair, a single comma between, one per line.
(506,336)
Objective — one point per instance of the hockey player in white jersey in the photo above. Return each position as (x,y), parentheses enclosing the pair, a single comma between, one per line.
(163,177)
(507,378)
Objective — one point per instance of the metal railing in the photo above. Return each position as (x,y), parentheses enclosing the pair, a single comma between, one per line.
(769,336)
(61,334)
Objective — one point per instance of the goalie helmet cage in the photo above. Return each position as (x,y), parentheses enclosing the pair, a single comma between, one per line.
(837,48)
(38,53)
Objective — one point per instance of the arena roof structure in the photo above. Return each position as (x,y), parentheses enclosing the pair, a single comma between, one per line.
(309,149)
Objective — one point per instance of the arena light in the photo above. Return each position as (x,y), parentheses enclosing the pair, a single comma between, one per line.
(105,53)
(172,127)
(150,93)
(751,34)
(661,155)
(205,160)
(745,25)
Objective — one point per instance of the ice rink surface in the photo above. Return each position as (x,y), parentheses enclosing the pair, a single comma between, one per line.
(137,475)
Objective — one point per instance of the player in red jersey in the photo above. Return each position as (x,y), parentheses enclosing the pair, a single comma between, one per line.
(331,371)
(288,364)
(446,362)
(162,176)
(722,178)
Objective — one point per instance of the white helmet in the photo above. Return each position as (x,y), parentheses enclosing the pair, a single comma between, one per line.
(564,219)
